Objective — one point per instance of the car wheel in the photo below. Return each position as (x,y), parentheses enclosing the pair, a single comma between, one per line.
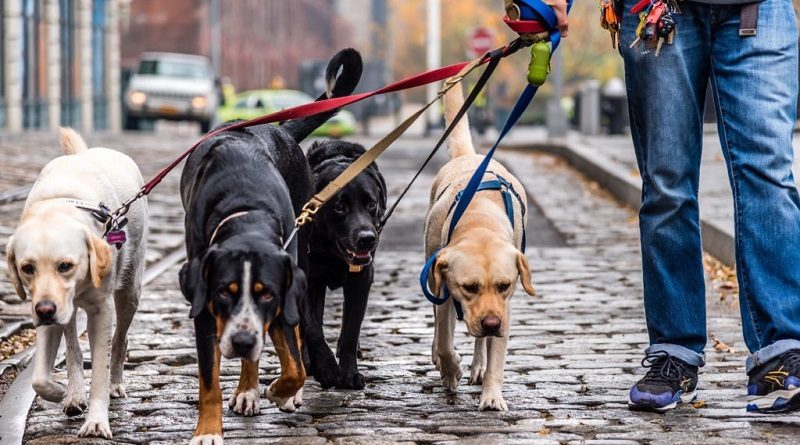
(131,123)
(205,126)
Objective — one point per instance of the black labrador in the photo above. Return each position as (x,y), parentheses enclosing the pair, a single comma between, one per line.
(241,190)
(342,244)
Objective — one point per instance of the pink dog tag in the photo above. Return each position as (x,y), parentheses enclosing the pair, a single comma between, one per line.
(116,238)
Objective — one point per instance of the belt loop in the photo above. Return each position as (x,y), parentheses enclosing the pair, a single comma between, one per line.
(748,20)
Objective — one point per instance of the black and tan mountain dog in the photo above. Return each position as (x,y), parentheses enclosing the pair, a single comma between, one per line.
(342,243)
(241,190)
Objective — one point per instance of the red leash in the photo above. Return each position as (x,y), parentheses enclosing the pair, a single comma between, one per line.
(313,108)
(116,220)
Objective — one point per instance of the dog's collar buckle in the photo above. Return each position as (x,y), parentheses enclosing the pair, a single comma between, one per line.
(100,212)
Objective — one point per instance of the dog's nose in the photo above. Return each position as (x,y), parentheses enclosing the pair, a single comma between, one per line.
(366,239)
(490,324)
(243,342)
(45,310)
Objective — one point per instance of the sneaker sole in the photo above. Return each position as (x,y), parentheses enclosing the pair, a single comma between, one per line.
(782,401)
(684,398)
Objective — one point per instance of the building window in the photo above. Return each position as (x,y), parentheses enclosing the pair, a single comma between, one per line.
(34,73)
(70,103)
(2,64)
(99,94)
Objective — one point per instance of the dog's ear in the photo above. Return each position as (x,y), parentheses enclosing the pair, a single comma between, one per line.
(12,269)
(99,258)
(192,278)
(525,274)
(439,271)
(294,290)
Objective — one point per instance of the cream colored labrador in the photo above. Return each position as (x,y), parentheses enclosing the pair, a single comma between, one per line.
(480,266)
(58,253)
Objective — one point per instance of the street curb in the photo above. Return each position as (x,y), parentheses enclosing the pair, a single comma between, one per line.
(628,189)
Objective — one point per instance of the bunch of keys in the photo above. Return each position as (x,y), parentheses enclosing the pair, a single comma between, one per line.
(656,24)
(610,21)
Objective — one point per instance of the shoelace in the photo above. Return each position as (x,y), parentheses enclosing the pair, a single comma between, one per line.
(791,361)
(663,367)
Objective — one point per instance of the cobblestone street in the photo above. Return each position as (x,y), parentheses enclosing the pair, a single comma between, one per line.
(574,351)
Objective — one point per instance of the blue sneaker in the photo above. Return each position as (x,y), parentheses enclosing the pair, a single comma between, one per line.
(669,382)
(774,387)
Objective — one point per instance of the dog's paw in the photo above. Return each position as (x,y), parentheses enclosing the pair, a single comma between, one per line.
(95,428)
(207,439)
(50,390)
(450,370)
(246,403)
(75,405)
(285,404)
(118,391)
(450,379)
(298,398)
(492,400)
(351,380)
(325,371)
(476,374)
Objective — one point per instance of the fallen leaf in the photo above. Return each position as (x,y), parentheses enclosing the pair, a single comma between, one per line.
(699,404)
(720,346)
(544,431)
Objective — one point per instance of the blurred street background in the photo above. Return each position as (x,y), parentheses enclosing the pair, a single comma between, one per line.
(147,77)
(71,62)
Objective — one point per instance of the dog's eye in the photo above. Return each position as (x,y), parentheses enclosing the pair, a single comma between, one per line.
(64,267)
(472,288)
(502,287)
(339,208)
(372,206)
(265,297)
(28,269)
(224,295)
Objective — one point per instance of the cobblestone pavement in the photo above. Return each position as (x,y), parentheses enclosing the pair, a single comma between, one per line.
(574,349)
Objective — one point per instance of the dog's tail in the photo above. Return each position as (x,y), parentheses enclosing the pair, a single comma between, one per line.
(71,142)
(460,141)
(351,65)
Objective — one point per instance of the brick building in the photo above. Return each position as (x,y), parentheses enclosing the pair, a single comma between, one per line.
(261,39)
(59,64)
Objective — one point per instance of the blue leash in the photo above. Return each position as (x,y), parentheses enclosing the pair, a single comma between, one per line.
(530,10)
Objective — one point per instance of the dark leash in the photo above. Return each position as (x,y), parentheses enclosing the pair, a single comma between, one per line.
(494,60)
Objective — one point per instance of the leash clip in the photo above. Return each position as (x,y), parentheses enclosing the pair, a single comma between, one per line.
(115,235)
(307,215)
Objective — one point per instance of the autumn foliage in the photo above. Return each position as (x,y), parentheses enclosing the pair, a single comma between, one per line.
(587,52)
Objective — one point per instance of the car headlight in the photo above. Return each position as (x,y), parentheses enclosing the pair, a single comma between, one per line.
(138,98)
(199,102)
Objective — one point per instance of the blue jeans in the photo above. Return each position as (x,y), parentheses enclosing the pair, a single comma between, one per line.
(754,81)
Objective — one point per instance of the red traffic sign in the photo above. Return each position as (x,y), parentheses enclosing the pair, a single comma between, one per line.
(480,41)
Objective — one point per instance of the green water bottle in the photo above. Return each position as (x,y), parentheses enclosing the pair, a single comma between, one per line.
(540,63)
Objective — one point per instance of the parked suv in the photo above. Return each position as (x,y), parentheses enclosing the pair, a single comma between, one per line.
(172,86)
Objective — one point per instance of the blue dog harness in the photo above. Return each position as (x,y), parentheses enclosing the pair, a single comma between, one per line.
(508,193)
(530,10)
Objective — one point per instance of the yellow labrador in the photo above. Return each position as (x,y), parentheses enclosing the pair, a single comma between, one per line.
(57,252)
(479,266)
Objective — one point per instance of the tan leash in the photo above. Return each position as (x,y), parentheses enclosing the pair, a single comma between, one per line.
(360,164)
